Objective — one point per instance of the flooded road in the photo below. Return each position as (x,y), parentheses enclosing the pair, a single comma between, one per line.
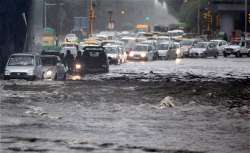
(121,111)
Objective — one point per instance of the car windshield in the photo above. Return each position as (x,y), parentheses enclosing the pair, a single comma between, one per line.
(21,61)
(163,46)
(49,61)
(111,50)
(215,42)
(201,45)
(186,43)
(141,48)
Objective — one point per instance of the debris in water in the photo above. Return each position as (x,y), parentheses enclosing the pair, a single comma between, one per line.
(167,102)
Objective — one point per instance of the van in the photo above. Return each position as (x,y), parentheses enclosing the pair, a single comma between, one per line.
(23,66)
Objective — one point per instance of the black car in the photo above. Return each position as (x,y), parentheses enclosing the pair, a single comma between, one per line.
(95,60)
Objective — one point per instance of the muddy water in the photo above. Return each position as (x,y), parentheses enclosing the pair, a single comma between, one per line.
(117,116)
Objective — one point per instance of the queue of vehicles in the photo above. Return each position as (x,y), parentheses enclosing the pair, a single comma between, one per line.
(106,48)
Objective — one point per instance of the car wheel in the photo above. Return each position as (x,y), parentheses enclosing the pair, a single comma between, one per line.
(32,78)
(225,54)
(248,54)
(55,78)
(216,56)
(238,54)
(5,78)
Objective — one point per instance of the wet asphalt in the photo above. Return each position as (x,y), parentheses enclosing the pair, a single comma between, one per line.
(122,112)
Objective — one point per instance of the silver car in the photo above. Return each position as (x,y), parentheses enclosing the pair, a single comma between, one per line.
(53,69)
(203,50)
(23,66)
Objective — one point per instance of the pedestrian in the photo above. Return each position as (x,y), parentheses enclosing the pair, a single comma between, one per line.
(69,60)
(78,57)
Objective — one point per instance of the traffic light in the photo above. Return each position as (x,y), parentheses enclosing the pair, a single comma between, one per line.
(205,15)
(249,17)
(209,17)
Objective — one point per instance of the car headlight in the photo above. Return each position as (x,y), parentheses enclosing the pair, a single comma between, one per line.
(78,66)
(131,54)
(143,54)
(7,72)
(49,73)
(31,72)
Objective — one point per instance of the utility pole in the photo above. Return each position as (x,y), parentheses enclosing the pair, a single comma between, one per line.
(110,22)
(246,16)
(199,17)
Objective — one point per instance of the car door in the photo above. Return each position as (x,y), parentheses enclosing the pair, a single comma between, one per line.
(38,68)
(243,49)
(212,50)
(150,53)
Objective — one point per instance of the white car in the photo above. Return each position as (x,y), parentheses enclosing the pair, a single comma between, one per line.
(220,45)
(163,49)
(142,52)
(24,66)
(53,68)
(114,54)
(71,38)
(238,49)
(186,45)
(73,50)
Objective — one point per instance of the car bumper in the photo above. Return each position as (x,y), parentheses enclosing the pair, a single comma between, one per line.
(137,58)
(196,55)
(96,70)
(112,60)
(25,77)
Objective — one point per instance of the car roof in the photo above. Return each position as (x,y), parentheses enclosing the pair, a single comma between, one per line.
(143,44)
(205,42)
(49,56)
(165,42)
(111,45)
(24,54)
(218,40)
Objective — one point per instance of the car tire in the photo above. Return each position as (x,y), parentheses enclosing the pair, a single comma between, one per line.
(216,56)
(33,78)
(238,54)
(55,78)
(248,54)
(225,54)
(6,78)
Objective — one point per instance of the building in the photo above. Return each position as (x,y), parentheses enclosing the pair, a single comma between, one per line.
(230,16)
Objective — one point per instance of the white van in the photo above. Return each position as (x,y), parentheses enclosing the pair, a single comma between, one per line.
(23,66)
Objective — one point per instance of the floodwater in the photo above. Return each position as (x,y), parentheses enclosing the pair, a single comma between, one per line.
(122,115)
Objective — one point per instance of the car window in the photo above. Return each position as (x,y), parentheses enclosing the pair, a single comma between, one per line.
(49,61)
(21,61)
(212,45)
